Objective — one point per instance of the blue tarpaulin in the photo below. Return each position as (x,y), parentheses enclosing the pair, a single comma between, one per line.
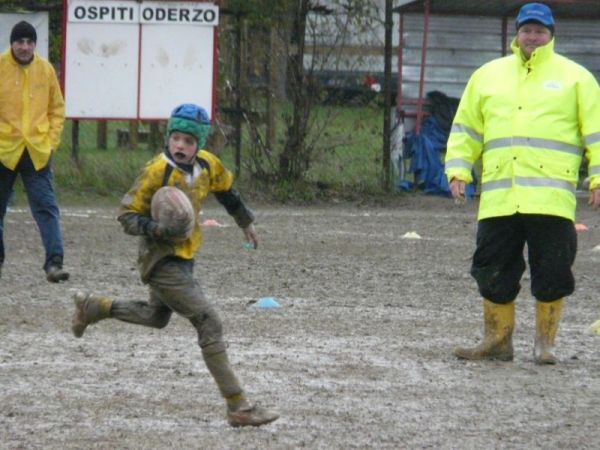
(426,151)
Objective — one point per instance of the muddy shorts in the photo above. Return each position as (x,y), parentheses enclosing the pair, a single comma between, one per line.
(499,263)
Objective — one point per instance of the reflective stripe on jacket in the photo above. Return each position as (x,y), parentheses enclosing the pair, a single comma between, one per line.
(530,122)
(212,176)
(31,110)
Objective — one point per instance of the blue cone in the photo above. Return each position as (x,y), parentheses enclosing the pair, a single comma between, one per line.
(267,302)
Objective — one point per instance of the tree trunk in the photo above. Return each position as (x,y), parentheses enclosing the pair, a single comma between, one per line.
(293,161)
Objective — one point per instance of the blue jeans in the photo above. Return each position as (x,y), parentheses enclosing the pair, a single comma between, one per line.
(42,202)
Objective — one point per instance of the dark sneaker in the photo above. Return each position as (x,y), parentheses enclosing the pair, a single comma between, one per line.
(253,416)
(56,274)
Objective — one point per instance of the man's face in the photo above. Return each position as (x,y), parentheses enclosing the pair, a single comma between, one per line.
(23,49)
(182,147)
(531,36)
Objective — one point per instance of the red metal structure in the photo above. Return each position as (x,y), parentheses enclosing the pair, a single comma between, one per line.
(504,9)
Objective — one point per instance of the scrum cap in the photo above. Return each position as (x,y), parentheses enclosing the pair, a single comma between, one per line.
(191,119)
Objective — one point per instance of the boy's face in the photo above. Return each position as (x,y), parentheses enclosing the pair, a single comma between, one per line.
(182,147)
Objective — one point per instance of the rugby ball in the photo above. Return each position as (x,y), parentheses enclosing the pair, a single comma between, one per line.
(172,209)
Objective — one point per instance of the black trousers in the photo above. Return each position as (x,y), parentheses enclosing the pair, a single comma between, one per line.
(499,263)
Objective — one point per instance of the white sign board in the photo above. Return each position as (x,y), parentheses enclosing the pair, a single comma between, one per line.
(138,60)
(40,22)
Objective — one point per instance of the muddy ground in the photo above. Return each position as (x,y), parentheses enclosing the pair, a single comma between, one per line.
(357,356)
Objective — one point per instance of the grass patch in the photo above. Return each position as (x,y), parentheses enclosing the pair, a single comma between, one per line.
(345,145)
(349,149)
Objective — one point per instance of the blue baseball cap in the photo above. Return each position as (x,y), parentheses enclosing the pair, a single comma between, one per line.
(535,12)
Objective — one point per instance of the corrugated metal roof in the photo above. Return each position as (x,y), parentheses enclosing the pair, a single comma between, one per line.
(572,9)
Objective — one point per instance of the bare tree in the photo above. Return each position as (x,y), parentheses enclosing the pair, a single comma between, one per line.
(293,161)
(292,21)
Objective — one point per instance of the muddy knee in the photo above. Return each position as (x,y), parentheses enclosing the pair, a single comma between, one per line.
(160,318)
(209,327)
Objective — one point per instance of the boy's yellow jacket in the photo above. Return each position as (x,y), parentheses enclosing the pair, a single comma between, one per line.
(530,122)
(134,214)
(31,110)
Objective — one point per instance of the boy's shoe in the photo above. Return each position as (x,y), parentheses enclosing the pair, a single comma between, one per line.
(89,309)
(56,274)
(253,416)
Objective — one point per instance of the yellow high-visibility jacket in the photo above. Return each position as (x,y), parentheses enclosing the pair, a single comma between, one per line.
(209,176)
(530,122)
(32,110)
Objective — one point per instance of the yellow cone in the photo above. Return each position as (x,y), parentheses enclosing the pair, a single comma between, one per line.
(595,327)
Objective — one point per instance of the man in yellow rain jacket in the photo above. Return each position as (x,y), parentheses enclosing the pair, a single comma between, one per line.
(530,117)
(31,123)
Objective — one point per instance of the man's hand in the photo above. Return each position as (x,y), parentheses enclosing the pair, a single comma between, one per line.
(457,188)
(594,200)
(251,236)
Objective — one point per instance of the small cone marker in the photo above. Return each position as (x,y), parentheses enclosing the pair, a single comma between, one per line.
(267,302)
(595,327)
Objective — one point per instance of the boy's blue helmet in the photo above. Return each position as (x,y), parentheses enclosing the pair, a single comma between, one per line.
(191,119)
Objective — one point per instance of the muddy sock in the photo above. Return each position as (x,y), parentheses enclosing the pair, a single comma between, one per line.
(236,402)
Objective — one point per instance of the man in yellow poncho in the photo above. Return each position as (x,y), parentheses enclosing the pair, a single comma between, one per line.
(31,122)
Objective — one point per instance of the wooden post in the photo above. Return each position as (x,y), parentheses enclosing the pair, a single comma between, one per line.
(75,141)
(133,134)
(101,134)
(155,139)
(387,96)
